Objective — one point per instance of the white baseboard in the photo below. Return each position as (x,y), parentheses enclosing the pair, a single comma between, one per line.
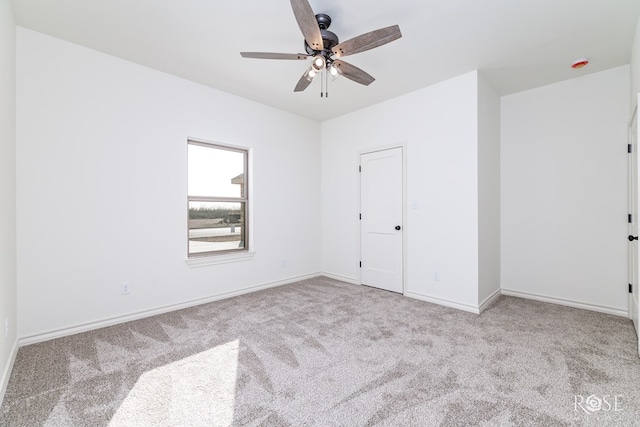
(31,339)
(490,300)
(445,302)
(566,302)
(6,373)
(58,333)
(340,278)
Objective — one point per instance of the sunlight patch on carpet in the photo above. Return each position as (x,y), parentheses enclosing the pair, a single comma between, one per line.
(196,390)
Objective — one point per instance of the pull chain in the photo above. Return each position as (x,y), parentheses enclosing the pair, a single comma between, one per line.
(326,83)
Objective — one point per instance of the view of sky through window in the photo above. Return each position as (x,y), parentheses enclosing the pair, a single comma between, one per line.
(211,172)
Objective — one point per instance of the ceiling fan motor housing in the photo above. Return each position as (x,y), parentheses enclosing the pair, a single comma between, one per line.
(329,38)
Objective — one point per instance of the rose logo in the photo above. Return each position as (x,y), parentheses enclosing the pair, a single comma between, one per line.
(593,403)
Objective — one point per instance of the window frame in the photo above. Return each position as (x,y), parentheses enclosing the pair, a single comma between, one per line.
(227,255)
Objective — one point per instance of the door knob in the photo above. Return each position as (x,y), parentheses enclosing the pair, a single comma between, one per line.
(398,228)
(632,238)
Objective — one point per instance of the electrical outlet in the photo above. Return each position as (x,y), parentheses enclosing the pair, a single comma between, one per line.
(436,275)
(125,288)
(6,328)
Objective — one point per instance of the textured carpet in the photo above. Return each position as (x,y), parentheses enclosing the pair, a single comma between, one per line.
(326,353)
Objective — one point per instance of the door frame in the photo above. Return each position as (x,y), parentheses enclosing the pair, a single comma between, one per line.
(631,176)
(402,145)
(634,199)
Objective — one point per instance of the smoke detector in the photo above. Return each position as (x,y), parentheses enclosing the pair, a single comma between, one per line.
(580,63)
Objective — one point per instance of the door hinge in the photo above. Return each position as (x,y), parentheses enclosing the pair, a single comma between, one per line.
(360,216)
(630,288)
(359,168)
(629,148)
(360,264)
(630,218)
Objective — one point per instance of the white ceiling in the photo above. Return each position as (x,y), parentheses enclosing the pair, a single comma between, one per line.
(517,44)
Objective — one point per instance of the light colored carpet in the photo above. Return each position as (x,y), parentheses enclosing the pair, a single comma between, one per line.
(325,353)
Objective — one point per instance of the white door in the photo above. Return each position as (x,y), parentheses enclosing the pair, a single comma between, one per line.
(633,252)
(381,228)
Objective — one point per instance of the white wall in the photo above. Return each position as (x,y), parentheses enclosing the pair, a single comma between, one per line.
(563,184)
(488,190)
(7,191)
(635,68)
(101,158)
(439,126)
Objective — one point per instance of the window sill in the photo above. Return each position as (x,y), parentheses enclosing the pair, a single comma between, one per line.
(219,259)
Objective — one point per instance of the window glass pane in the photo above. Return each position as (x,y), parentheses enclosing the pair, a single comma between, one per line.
(214,172)
(216,226)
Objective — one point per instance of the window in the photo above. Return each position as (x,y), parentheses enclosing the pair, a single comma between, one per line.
(217,199)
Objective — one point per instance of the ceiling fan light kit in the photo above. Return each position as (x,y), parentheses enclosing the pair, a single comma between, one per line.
(310,74)
(318,63)
(324,47)
(334,72)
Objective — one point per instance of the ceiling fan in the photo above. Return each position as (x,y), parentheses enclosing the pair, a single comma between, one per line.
(324,48)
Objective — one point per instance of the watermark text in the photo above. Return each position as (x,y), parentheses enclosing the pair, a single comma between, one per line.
(593,403)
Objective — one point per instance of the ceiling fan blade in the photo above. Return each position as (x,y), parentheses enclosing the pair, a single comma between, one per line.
(353,73)
(367,41)
(303,83)
(270,55)
(307,23)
